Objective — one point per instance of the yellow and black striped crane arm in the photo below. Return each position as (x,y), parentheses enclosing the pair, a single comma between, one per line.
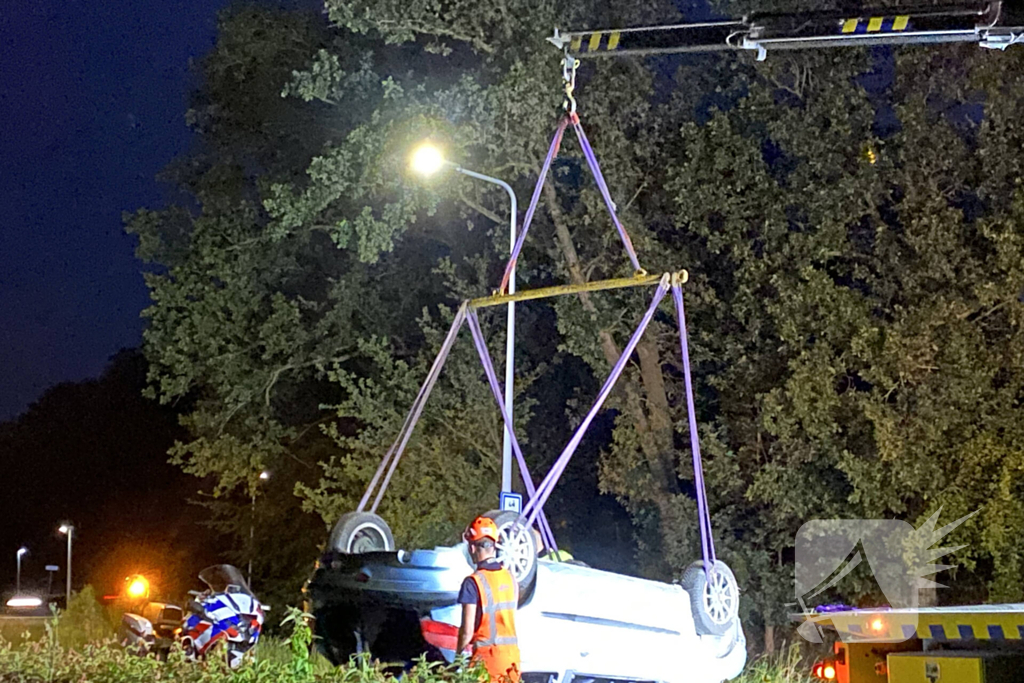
(990,24)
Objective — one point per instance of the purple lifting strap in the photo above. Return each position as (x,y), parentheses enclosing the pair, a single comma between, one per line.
(544,490)
(602,186)
(707,544)
(556,141)
(492,379)
(394,453)
(588,152)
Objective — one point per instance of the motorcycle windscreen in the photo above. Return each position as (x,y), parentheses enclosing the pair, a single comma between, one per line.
(220,576)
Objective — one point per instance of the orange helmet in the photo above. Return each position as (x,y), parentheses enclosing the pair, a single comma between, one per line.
(481,528)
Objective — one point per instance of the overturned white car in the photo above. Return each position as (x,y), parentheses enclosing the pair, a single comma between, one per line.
(574,622)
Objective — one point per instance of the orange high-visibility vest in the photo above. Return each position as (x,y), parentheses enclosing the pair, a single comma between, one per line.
(494,641)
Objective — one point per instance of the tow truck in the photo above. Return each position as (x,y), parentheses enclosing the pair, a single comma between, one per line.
(963,644)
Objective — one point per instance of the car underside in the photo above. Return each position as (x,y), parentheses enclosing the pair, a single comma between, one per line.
(572,620)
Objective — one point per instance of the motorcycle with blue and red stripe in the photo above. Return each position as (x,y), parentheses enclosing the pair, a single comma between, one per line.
(225,620)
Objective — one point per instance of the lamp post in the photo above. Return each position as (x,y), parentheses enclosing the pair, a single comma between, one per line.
(426,161)
(264,475)
(21,551)
(69,531)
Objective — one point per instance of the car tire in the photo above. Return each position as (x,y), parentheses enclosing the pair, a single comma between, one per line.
(517,552)
(361,532)
(715,606)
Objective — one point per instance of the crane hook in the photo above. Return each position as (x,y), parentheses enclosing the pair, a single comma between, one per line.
(569,66)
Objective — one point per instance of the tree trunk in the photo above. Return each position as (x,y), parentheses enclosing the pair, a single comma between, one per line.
(769,639)
(651,418)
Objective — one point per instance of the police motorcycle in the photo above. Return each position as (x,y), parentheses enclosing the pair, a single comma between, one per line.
(225,620)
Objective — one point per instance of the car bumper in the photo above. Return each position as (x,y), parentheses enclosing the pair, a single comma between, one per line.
(420,579)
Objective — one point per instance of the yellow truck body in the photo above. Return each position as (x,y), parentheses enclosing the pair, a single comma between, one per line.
(966,644)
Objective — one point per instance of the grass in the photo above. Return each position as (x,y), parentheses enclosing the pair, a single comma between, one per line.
(62,655)
(785,666)
(46,660)
(17,629)
(78,647)
(278,651)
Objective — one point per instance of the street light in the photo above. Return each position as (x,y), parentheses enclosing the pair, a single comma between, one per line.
(21,551)
(264,476)
(69,530)
(427,160)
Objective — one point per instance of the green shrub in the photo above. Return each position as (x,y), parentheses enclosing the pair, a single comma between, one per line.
(50,659)
(84,621)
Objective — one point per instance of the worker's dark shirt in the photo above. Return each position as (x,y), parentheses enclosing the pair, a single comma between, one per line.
(470,595)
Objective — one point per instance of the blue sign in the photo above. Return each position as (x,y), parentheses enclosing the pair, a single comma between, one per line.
(511,501)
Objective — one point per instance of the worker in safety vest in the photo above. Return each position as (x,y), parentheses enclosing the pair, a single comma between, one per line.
(489,597)
(553,555)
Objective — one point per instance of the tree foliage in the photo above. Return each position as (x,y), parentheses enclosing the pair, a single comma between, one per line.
(854,254)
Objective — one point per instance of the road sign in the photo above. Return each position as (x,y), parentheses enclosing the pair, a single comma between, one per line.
(511,501)
(52,568)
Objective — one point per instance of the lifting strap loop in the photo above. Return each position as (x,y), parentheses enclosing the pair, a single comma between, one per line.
(595,169)
(602,186)
(547,536)
(394,453)
(556,142)
(533,512)
(533,508)
(390,461)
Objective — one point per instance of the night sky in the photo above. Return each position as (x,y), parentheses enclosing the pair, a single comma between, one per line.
(92,106)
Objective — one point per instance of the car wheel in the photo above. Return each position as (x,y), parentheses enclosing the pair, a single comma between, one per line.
(715,603)
(517,550)
(360,532)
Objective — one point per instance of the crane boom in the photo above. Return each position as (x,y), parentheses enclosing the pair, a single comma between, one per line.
(990,24)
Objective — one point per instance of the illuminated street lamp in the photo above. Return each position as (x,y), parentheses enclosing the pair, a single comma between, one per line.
(21,551)
(428,160)
(264,476)
(69,531)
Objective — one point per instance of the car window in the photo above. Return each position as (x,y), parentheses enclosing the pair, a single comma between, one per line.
(538,677)
(171,614)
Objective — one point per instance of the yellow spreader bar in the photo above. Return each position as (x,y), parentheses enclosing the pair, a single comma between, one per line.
(639,280)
